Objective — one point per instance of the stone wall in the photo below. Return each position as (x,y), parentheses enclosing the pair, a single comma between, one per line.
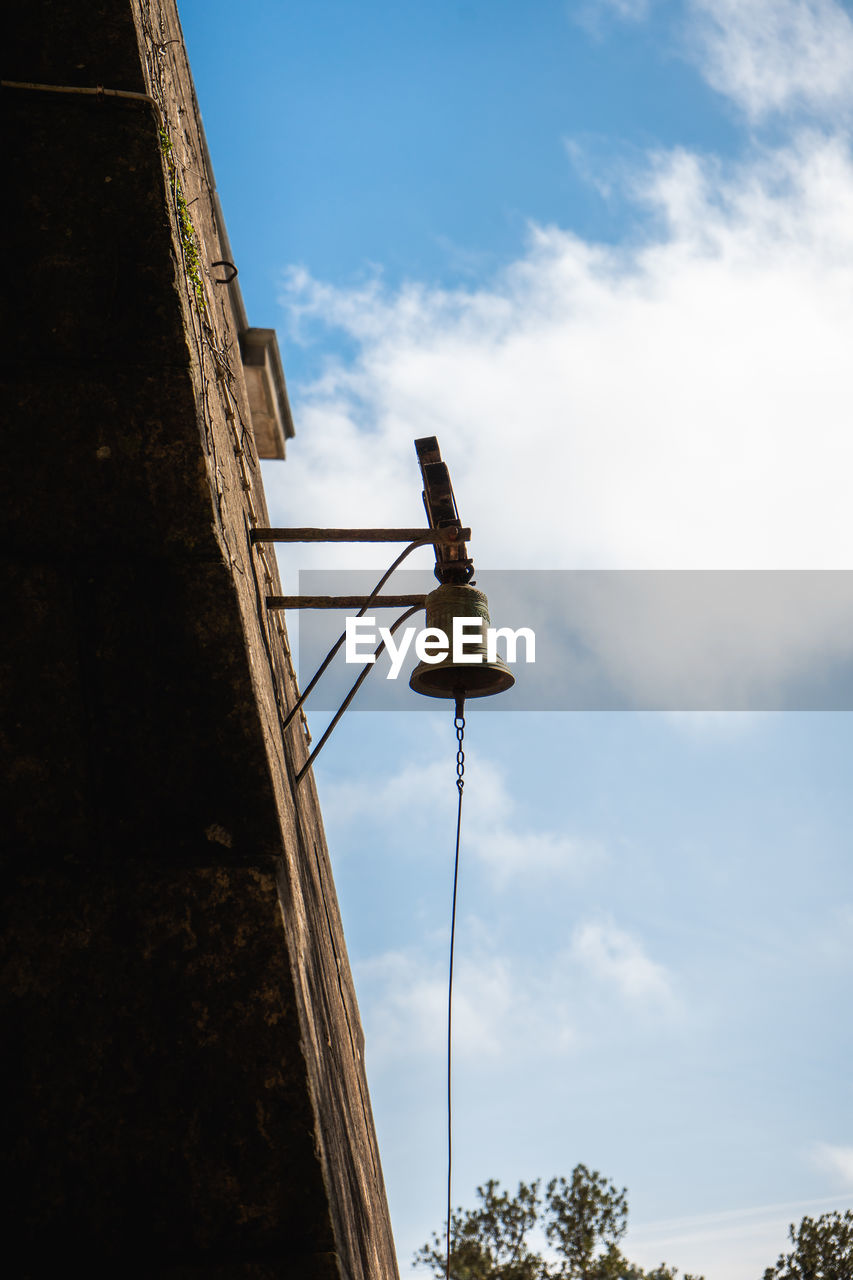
(188,1094)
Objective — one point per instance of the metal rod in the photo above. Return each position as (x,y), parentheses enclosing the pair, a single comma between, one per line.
(362,611)
(344,602)
(425,536)
(353,691)
(97,91)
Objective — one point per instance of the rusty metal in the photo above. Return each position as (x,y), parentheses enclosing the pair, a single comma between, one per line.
(342,637)
(353,691)
(344,602)
(452,562)
(448,679)
(98,91)
(454,570)
(420,536)
(221,262)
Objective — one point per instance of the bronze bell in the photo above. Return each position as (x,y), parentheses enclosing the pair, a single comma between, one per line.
(476,678)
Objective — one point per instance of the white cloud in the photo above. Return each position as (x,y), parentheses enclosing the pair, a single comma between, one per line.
(733,1245)
(503,1010)
(777,55)
(497,1011)
(507,848)
(835,1160)
(615,958)
(425,790)
(416,790)
(702,641)
(684,402)
(518,853)
(767,56)
(409,1015)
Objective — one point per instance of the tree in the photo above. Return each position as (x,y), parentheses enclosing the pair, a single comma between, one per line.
(823,1250)
(584,1215)
(583,1218)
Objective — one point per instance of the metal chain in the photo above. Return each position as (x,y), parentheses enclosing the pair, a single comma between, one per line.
(459,726)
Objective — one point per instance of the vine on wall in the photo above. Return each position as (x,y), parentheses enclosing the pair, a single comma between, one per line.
(189,240)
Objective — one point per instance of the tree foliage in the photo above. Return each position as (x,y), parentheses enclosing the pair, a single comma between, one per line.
(823,1250)
(583,1220)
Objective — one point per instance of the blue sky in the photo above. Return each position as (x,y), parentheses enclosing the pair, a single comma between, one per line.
(344,122)
(604,251)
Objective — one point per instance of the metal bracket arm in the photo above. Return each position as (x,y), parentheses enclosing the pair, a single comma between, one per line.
(419,536)
(344,602)
(348,699)
(452,565)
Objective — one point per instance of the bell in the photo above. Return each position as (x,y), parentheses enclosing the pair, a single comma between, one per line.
(476,677)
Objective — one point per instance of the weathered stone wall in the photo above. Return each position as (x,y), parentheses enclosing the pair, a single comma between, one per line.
(188,1093)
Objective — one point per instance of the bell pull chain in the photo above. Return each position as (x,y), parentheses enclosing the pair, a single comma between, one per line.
(459,726)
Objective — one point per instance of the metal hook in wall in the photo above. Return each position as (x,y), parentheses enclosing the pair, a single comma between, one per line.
(225,279)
